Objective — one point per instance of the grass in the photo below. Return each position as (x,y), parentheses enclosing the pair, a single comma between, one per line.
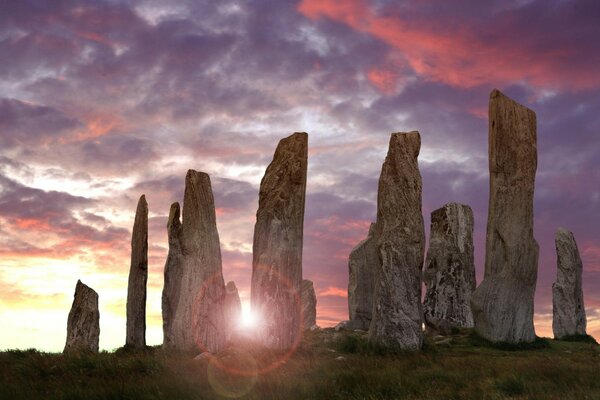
(327,365)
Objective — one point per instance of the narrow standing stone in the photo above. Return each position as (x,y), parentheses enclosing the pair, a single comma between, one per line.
(138,278)
(233,307)
(567,295)
(309,305)
(503,303)
(449,273)
(277,248)
(172,274)
(83,324)
(397,312)
(198,322)
(363,264)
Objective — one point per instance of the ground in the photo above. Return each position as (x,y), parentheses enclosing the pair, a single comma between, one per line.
(326,365)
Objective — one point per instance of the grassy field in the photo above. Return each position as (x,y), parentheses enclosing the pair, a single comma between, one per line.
(327,365)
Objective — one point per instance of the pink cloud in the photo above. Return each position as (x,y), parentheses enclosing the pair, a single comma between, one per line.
(334,291)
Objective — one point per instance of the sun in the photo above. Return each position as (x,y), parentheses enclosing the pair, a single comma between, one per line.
(248,320)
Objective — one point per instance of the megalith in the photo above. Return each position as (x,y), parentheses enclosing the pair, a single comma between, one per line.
(363,264)
(83,324)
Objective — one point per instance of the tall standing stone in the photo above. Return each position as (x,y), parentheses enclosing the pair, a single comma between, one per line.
(83,324)
(363,264)
(277,248)
(198,321)
(138,278)
(397,312)
(172,274)
(309,305)
(449,273)
(503,303)
(233,307)
(567,295)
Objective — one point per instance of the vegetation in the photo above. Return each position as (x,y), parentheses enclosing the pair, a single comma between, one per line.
(327,365)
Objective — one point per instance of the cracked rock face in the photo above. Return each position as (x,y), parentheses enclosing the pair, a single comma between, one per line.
(502,305)
(449,273)
(138,277)
(309,305)
(233,307)
(83,324)
(567,295)
(194,288)
(277,247)
(363,264)
(397,312)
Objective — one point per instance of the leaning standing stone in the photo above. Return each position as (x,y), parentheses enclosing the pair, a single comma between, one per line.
(172,274)
(138,277)
(277,248)
(503,303)
(567,295)
(397,312)
(309,305)
(233,307)
(449,273)
(83,324)
(363,264)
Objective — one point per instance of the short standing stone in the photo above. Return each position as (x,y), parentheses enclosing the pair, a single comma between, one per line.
(233,307)
(397,312)
(138,277)
(567,294)
(309,305)
(172,275)
(449,273)
(83,324)
(502,305)
(277,247)
(363,264)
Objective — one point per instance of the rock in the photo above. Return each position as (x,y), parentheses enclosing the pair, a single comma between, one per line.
(340,358)
(341,325)
(233,307)
(83,324)
(363,264)
(449,273)
(203,356)
(397,313)
(138,277)
(198,322)
(315,328)
(172,275)
(440,326)
(502,305)
(277,248)
(309,305)
(567,296)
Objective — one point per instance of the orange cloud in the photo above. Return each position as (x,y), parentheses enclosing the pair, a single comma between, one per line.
(384,79)
(334,291)
(460,58)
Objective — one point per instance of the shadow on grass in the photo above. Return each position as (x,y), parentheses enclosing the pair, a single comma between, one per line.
(579,338)
(538,343)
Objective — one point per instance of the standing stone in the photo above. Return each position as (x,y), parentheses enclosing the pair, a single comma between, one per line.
(138,277)
(503,303)
(363,264)
(277,248)
(198,322)
(83,324)
(397,312)
(233,307)
(172,274)
(567,296)
(449,273)
(309,305)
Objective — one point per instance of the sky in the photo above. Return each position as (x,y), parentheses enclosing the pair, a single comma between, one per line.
(102,101)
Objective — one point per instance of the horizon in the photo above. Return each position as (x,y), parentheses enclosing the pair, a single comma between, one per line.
(105,101)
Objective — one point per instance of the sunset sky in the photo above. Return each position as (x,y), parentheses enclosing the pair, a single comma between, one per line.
(101,101)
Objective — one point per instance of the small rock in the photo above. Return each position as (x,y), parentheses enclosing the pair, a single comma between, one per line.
(315,328)
(340,358)
(341,325)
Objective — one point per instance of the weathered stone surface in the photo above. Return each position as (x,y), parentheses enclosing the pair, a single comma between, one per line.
(449,273)
(309,304)
(198,322)
(363,264)
(397,313)
(277,248)
(138,277)
(233,307)
(567,295)
(502,305)
(83,324)
(172,274)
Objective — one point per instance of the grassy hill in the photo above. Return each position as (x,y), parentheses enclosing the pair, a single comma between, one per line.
(327,365)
